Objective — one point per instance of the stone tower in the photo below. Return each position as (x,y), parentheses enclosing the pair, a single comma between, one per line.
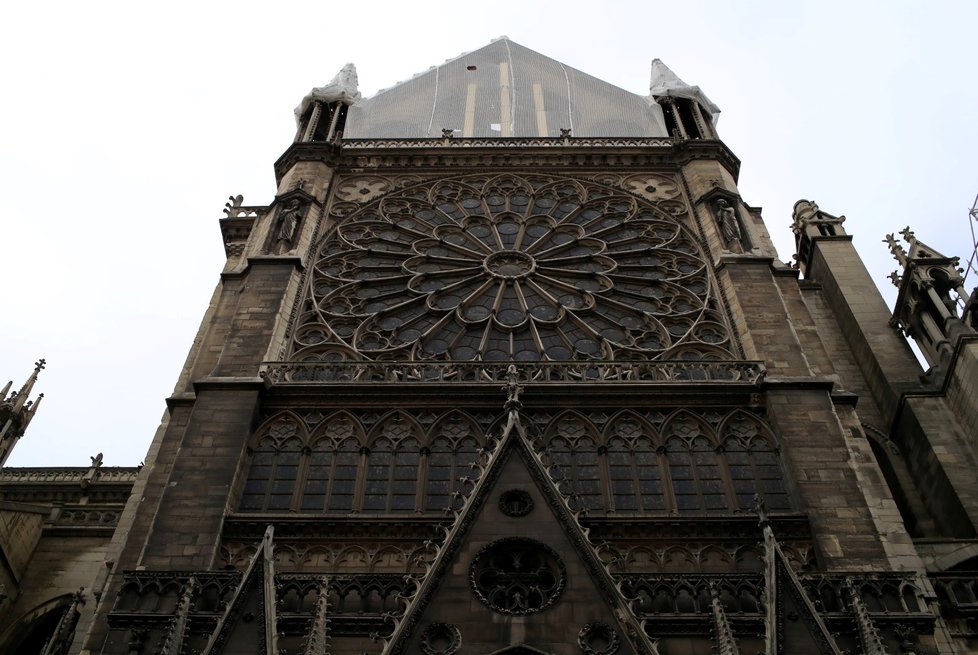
(509,366)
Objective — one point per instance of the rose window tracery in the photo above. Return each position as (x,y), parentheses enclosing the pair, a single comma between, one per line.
(511,268)
(517,576)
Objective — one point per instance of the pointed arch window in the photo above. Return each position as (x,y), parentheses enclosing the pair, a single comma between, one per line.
(695,467)
(335,472)
(448,460)
(274,469)
(575,465)
(754,463)
(331,477)
(635,475)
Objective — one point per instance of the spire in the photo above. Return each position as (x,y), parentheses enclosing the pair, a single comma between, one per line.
(341,92)
(869,634)
(663,83)
(16,411)
(933,306)
(810,224)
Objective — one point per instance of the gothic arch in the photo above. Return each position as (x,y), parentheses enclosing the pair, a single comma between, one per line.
(571,426)
(337,427)
(279,427)
(620,425)
(442,427)
(751,456)
(386,427)
(273,474)
(30,632)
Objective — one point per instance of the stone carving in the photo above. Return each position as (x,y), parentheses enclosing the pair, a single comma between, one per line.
(671,604)
(440,639)
(729,224)
(513,268)
(652,187)
(598,638)
(362,189)
(287,222)
(517,576)
(515,503)
(335,364)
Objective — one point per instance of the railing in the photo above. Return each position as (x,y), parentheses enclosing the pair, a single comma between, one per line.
(661,372)
(67,475)
(551,142)
(958,592)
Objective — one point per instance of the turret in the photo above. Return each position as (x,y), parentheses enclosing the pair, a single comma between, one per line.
(689,114)
(322,113)
(16,412)
(931,294)
(810,223)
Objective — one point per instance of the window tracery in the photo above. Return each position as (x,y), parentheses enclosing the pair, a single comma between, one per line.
(523,268)
(396,466)
(686,465)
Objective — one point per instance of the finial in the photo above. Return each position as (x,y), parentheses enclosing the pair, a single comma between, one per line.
(39,365)
(908,234)
(513,390)
(565,132)
(895,279)
(447,133)
(234,203)
(896,249)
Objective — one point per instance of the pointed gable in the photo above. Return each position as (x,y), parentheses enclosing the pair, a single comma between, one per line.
(504,90)
(522,571)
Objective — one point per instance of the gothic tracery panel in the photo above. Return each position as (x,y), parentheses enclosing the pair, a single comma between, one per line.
(344,462)
(686,463)
(523,268)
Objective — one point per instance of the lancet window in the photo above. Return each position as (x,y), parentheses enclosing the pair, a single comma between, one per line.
(685,465)
(341,466)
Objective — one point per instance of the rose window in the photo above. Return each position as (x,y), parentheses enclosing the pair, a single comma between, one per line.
(517,576)
(510,268)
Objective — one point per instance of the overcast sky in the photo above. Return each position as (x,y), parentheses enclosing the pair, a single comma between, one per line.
(124,129)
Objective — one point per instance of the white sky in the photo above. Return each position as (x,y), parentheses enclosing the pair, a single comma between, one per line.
(124,128)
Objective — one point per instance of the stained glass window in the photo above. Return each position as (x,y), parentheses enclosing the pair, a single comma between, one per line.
(512,268)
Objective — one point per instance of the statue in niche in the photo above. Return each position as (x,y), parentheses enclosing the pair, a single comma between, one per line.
(729,225)
(287,222)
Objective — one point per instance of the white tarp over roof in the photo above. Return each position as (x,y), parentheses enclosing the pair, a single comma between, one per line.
(504,90)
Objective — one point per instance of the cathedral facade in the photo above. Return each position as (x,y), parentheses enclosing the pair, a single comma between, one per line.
(509,366)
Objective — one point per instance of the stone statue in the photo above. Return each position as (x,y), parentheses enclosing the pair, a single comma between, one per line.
(287,223)
(729,226)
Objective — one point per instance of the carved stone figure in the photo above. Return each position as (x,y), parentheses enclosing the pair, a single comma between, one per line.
(286,225)
(729,226)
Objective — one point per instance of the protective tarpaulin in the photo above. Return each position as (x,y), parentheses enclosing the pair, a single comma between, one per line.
(665,83)
(342,88)
(504,90)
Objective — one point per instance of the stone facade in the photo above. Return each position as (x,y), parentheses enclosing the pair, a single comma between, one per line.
(538,394)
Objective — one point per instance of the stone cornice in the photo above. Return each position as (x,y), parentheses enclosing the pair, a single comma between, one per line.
(460,155)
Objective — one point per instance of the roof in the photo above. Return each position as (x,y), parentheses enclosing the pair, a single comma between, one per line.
(504,90)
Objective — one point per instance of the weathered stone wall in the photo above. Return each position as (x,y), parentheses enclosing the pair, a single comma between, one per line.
(20,530)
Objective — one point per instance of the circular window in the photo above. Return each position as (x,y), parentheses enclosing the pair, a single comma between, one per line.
(512,268)
(440,639)
(598,638)
(517,576)
(515,502)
